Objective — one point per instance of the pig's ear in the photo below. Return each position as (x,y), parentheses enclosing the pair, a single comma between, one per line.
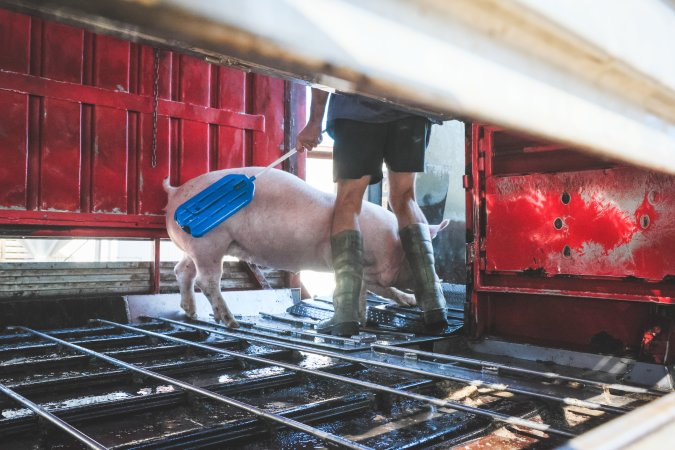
(434,229)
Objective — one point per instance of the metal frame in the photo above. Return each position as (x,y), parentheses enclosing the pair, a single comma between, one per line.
(329,437)
(180,349)
(511,301)
(569,79)
(519,370)
(386,365)
(51,418)
(377,387)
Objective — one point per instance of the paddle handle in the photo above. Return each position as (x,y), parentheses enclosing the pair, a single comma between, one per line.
(274,163)
(279,160)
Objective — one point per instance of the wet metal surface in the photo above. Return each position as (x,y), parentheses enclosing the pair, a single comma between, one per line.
(381,389)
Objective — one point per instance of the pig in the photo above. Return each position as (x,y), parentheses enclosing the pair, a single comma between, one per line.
(286,226)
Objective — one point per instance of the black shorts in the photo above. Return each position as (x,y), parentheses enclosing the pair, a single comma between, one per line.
(360,147)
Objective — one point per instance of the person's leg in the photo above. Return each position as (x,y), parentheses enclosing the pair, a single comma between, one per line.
(419,252)
(407,143)
(402,199)
(357,161)
(347,252)
(348,204)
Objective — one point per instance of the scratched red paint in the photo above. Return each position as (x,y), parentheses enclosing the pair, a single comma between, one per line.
(606,232)
(598,221)
(619,260)
(647,210)
(532,219)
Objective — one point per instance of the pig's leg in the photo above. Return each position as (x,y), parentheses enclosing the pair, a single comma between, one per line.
(209,273)
(186,272)
(398,296)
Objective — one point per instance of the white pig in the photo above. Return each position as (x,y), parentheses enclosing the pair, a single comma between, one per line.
(286,226)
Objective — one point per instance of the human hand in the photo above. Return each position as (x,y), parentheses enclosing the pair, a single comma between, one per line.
(309,137)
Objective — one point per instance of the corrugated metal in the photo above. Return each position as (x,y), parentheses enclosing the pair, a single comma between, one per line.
(76,128)
(57,279)
(235,277)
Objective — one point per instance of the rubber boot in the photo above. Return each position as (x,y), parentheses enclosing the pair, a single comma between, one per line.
(347,250)
(419,253)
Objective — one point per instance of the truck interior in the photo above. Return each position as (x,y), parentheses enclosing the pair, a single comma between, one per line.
(555,168)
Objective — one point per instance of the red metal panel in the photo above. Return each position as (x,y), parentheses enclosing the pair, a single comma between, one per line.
(269,101)
(60,156)
(111,66)
(193,150)
(109,186)
(602,272)
(616,222)
(77,128)
(231,142)
(151,196)
(555,321)
(14,42)
(111,127)
(62,52)
(194,86)
(195,81)
(13,116)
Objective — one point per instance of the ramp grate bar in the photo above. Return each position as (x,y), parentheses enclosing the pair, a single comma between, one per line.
(330,437)
(435,401)
(51,418)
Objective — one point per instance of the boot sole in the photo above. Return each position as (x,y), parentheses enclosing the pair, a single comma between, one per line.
(435,317)
(343,329)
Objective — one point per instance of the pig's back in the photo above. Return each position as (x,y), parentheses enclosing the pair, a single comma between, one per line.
(286,225)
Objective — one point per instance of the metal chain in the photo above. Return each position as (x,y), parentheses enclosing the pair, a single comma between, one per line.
(155,101)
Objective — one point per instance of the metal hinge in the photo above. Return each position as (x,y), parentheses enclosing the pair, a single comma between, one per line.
(482,143)
(467,181)
(470,253)
(481,164)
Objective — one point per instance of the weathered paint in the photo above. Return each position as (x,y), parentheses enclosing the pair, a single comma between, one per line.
(608,224)
(564,250)
(76,128)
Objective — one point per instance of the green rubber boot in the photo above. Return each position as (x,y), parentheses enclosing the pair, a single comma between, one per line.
(419,253)
(347,249)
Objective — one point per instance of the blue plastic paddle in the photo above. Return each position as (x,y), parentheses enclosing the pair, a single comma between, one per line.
(220,201)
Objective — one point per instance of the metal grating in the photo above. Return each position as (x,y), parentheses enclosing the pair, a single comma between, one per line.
(276,384)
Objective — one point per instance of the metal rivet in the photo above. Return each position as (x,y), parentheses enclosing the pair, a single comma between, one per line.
(565,198)
(653,197)
(644,221)
(567,251)
(558,223)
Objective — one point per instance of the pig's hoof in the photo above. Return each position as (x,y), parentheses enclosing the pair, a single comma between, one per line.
(190,310)
(231,323)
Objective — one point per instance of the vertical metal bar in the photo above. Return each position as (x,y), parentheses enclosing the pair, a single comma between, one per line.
(250,91)
(330,437)
(376,387)
(290,131)
(41,412)
(156,266)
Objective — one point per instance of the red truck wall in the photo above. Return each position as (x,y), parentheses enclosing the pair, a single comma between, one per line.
(568,250)
(76,128)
